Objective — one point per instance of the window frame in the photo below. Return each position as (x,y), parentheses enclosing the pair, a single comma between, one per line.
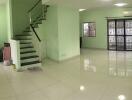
(88,34)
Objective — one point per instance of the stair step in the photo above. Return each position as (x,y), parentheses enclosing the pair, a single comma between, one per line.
(27,27)
(26,43)
(24,39)
(42,19)
(47,6)
(37,22)
(27,31)
(22,58)
(38,17)
(26,47)
(27,52)
(23,35)
(30,63)
(35,26)
(30,60)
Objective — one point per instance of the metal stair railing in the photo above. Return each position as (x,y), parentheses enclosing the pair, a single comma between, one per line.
(35,13)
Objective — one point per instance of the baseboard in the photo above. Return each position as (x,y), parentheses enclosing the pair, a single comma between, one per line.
(94,48)
(70,58)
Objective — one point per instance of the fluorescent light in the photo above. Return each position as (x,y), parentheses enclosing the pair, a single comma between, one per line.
(120,4)
(82,9)
(125,12)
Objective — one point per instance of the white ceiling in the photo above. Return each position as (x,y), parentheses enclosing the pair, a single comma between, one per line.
(88,4)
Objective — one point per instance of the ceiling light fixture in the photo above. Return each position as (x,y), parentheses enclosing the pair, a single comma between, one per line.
(120,4)
(125,12)
(81,10)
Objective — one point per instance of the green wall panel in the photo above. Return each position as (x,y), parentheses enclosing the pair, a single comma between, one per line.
(50,27)
(68,22)
(48,33)
(3,25)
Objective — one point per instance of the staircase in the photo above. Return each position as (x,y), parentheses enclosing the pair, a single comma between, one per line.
(28,55)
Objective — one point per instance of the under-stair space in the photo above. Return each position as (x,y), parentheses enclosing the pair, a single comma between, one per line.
(28,54)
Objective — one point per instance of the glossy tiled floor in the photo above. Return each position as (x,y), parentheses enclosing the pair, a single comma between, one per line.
(95,75)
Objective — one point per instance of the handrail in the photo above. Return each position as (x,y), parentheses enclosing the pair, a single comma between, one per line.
(35,33)
(34,6)
(30,18)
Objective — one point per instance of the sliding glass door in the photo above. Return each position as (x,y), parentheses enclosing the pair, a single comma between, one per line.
(111,35)
(128,31)
(120,34)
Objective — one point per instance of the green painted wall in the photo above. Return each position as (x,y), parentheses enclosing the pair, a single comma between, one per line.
(68,24)
(9,19)
(98,16)
(51,26)
(3,25)
(20,17)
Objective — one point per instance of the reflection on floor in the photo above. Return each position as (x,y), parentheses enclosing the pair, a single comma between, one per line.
(95,75)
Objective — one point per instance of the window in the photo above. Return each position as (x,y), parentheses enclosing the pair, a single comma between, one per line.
(89,29)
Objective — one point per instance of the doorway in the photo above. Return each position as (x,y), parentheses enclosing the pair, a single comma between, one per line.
(120,34)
